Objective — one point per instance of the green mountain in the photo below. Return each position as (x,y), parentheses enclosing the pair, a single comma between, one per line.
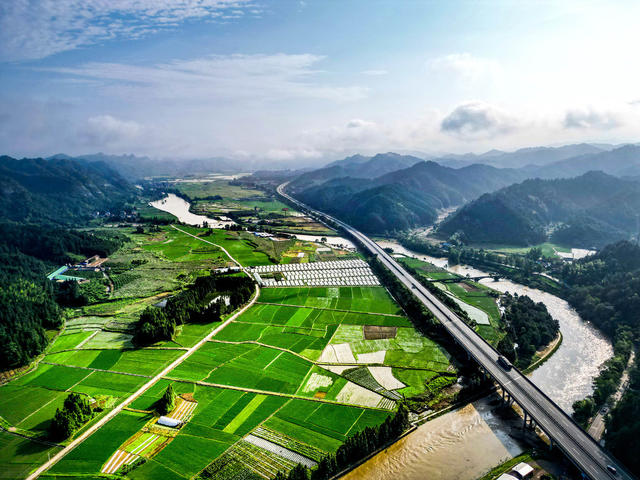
(59,191)
(400,199)
(590,210)
(356,166)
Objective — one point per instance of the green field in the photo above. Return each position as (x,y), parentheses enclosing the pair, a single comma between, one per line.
(356,299)
(19,456)
(270,370)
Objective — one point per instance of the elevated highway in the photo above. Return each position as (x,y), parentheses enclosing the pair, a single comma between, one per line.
(577,445)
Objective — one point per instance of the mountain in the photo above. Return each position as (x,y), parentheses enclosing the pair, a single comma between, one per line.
(400,199)
(538,156)
(59,191)
(622,162)
(356,166)
(589,210)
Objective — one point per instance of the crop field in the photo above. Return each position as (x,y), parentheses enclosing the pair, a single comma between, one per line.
(91,454)
(296,374)
(355,299)
(322,425)
(19,456)
(141,362)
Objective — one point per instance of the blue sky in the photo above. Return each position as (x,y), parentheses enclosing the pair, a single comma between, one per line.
(312,80)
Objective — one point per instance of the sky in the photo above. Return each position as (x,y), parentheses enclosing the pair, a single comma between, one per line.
(314,80)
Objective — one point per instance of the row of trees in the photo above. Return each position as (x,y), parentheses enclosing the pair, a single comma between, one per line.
(355,448)
(204,301)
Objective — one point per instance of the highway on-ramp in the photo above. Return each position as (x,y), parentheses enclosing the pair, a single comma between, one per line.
(577,445)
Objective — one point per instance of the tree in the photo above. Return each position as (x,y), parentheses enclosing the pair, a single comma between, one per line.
(76,410)
(167,402)
(583,410)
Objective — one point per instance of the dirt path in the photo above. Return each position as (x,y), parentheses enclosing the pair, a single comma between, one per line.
(210,243)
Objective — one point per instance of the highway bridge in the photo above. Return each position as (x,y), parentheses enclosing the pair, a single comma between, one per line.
(592,460)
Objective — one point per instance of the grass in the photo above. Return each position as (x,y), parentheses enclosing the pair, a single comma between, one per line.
(90,455)
(356,299)
(19,456)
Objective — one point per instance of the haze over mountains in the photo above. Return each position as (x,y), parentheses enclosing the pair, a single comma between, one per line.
(377,194)
(58,191)
(590,210)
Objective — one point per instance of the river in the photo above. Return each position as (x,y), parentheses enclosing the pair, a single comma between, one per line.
(179,208)
(468,442)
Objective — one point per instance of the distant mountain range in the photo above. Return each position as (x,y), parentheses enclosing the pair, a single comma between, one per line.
(532,156)
(59,191)
(394,192)
(590,210)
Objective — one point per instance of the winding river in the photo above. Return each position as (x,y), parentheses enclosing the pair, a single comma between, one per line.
(468,442)
(179,207)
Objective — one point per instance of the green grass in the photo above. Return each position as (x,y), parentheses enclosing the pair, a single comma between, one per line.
(415,380)
(244,414)
(106,383)
(328,424)
(356,299)
(238,244)
(186,455)
(17,402)
(19,456)
(54,377)
(69,340)
(90,455)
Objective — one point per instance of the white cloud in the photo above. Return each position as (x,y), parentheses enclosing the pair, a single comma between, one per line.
(32,29)
(218,77)
(478,119)
(465,66)
(591,118)
(105,130)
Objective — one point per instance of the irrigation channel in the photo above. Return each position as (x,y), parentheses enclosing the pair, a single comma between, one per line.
(468,442)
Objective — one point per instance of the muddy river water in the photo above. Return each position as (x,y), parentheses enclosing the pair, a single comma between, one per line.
(467,443)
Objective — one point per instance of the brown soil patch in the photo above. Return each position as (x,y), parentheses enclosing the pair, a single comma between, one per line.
(374,332)
(188,397)
(468,287)
(320,395)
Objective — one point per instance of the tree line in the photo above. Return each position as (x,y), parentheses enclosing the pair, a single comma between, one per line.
(205,301)
(355,448)
(29,303)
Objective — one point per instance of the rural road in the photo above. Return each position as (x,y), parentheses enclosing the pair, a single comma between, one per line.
(62,453)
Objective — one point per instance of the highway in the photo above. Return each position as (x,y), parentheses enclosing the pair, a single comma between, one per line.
(576,444)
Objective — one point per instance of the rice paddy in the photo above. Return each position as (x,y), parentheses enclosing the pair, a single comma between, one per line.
(286,382)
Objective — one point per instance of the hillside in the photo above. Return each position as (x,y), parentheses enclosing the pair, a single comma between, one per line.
(590,210)
(403,198)
(356,166)
(59,191)
(621,162)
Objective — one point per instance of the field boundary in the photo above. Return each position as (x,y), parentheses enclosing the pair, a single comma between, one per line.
(74,443)
(331,309)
